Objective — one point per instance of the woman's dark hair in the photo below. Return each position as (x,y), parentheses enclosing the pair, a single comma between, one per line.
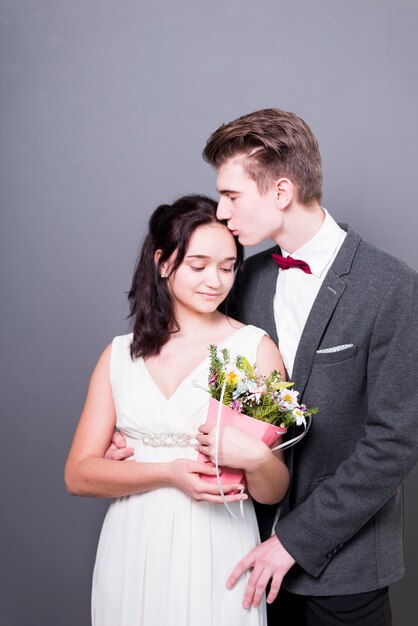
(169,230)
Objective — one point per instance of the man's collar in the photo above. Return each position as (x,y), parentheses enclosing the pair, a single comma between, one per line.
(318,251)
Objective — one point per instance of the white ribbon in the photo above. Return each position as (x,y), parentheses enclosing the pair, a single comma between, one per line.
(282,446)
(291,442)
(221,491)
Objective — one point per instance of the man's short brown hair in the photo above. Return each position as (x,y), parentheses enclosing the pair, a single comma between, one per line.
(274,143)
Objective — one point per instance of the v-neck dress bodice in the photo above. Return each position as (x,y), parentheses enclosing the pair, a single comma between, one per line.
(164,558)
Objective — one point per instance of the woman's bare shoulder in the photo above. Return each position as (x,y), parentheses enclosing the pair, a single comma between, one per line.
(269,357)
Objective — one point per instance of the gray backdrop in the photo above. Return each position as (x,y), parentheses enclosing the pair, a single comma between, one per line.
(105,108)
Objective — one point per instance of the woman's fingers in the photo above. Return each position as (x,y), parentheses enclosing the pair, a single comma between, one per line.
(205,468)
(238,497)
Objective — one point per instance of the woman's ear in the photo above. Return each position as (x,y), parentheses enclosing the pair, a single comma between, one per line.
(163,267)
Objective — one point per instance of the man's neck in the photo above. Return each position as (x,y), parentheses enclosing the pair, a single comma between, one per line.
(299,227)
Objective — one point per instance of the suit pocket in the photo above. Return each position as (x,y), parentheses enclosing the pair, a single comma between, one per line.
(335,357)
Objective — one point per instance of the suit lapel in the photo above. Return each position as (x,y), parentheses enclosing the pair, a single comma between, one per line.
(327,299)
(265,292)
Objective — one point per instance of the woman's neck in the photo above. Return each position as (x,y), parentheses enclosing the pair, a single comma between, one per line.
(197,324)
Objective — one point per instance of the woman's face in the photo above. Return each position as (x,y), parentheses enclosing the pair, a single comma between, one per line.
(205,276)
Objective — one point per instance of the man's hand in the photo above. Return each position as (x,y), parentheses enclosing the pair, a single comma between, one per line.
(117,450)
(269,560)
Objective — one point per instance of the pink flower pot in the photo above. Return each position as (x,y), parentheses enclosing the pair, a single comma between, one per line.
(266,432)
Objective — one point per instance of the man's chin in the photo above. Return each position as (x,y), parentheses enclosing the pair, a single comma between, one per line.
(248,241)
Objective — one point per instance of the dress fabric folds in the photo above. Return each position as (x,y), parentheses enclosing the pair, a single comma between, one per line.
(163,558)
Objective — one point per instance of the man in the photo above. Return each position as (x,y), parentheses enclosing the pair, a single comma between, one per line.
(345,315)
(347,328)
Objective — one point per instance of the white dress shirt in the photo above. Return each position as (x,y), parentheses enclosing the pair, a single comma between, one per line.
(296,291)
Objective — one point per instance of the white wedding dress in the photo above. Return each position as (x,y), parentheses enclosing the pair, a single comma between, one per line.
(163,558)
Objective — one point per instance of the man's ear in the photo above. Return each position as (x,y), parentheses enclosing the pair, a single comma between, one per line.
(285,193)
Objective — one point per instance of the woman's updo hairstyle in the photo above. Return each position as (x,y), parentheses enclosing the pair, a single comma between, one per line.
(169,230)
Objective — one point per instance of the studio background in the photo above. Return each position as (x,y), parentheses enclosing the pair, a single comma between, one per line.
(105,107)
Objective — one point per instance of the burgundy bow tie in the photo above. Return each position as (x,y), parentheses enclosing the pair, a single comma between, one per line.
(287,262)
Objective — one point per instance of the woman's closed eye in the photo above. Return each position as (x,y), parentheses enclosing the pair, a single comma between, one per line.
(197,268)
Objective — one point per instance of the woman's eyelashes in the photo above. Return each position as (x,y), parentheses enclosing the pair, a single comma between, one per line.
(226,270)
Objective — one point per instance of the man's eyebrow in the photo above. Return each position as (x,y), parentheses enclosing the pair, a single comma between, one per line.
(225,192)
(202,256)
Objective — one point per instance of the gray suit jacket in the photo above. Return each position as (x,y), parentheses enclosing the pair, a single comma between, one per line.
(342,517)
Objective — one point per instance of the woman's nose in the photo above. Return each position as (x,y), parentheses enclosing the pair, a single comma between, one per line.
(212,278)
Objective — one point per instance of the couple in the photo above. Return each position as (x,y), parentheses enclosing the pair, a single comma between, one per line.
(344,316)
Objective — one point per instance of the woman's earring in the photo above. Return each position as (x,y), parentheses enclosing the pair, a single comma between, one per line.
(163,276)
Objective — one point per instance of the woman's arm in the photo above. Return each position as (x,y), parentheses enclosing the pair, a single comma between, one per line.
(87,473)
(266,473)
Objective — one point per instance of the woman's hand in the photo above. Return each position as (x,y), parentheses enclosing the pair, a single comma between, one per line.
(266,475)
(237,448)
(186,477)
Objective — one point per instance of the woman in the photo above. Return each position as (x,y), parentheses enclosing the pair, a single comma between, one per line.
(168,545)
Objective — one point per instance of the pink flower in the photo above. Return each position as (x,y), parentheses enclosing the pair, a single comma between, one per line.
(213,378)
(256,392)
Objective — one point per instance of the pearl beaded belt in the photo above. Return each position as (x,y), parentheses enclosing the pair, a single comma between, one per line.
(168,440)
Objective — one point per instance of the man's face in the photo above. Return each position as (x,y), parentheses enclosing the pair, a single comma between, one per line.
(250,216)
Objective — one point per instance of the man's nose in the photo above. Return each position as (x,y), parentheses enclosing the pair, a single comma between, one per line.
(222,212)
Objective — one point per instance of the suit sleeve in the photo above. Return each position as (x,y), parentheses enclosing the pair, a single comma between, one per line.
(314,531)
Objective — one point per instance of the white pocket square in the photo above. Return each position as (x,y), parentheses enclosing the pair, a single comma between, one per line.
(345,346)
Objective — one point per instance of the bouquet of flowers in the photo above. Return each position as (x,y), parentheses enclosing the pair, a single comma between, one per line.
(263,405)
(265,398)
